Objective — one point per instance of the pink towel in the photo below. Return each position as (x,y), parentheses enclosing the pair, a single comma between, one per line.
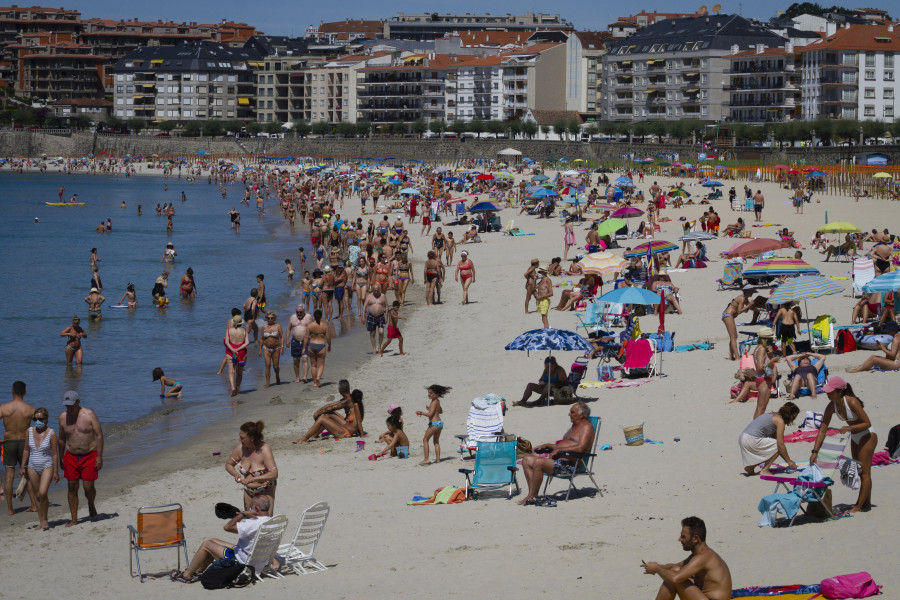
(628,383)
(882,458)
(806,436)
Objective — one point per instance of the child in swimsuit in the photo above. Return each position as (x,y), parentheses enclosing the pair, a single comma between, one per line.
(289,268)
(435,425)
(397,442)
(175,387)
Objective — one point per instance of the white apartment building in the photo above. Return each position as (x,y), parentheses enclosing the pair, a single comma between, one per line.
(852,74)
(764,84)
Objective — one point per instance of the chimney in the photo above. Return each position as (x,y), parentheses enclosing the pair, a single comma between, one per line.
(789,47)
(735,48)
(760,48)
(891,28)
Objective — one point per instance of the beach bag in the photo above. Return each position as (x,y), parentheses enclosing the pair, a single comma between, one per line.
(856,585)
(893,442)
(523,447)
(844,342)
(605,373)
(849,470)
(226,573)
(812,421)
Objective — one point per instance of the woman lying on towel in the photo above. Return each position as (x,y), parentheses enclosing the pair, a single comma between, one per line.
(762,441)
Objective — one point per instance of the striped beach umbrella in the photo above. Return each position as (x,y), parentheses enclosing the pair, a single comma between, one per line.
(775,267)
(679,192)
(884,283)
(602,263)
(655,247)
(806,287)
(696,236)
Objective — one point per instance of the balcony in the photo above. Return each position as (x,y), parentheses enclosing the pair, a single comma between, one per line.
(522,77)
(433,93)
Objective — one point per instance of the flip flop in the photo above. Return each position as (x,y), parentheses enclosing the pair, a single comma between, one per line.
(532,503)
(843,515)
(180,578)
(547,502)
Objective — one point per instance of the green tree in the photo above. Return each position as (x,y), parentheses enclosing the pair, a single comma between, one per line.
(657,128)
(641,129)
(23,116)
(824,128)
(346,129)
(112,122)
(302,128)
(495,127)
(273,127)
(193,129)
(679,130)
(363,127)
(213,128)
(400,127)
(560,128)
(80,121)
(321,128)
(419,126)
(530,128)
(846,130)
(477,126)
(573,127)
(592,129)
(136,125)
(254,127)
(515,127)
(233,126)
(547,130)
(458,127)
(437,126)
(874,129)
(168,126)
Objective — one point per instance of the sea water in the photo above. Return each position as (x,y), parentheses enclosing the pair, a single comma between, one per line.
(46,264)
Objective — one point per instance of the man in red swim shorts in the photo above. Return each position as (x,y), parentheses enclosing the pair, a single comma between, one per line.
(81,442)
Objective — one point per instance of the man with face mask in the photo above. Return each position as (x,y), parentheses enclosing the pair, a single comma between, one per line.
(16,415)
(81,441)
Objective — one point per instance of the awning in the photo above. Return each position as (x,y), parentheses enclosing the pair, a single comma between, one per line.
(691,74)
(414,57)
(654,61)
(137,96)
(148,85)
(156,61)
(243,101)
(692,90)
(256,63)
(626,62)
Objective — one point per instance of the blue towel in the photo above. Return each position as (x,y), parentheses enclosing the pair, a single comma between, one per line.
(689,347)
(769,506)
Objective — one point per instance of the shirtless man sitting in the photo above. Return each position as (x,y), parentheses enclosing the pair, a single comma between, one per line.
(881,256)
(578,439)
(701,575)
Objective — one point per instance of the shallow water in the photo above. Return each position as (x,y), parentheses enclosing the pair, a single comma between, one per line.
(47,265)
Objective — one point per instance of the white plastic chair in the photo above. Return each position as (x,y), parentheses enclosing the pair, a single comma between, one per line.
(299,552)
(265,545)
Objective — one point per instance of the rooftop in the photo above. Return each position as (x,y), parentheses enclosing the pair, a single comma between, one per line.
(859,37)
(713,32)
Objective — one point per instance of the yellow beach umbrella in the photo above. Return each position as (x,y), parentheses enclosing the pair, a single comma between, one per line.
(882,175)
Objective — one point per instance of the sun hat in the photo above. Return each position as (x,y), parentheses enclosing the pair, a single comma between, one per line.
(237,321)
(748,288)
(327,269)
(834,383)
(93,289)
(70,398)
(766,332)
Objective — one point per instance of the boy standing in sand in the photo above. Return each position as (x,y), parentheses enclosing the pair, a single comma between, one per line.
(393,333)
(542,294)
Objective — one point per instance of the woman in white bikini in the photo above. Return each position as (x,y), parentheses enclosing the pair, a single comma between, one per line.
(863,439)
(252,464)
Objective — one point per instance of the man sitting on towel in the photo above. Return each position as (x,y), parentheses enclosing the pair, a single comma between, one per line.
(702,575)
(578,439)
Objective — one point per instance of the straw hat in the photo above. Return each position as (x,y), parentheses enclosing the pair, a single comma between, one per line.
(766,332)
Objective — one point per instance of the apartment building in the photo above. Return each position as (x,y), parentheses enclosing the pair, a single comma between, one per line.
(674,68)
(764,85)
(331,90)
(192,81)
(429,26)
(52,66)
(474,88)
(851,74)
(534,77)
(584,51)
(408,88)
(346,31)
(625,26)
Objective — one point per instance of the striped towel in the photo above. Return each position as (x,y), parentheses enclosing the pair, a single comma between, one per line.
(483,424)
(628,383)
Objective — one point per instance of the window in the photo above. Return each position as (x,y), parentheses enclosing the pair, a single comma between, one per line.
(870,75)
(704,110)
(271,79)
(232,78)
(888,93)
(262,78)
(889,112)
(888,60)
(188,89)
(869,93)
(120,100)
(202,77)
(129,89)
(888,75)
(120,77)
(186,101)
(120,89)
(188,113)
(870,59)
(869,111)
(186,77)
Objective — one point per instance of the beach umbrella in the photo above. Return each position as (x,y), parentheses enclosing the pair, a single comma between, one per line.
(413,191)
(602,263)
(696,236)
(543,193)
(630,295)
(569,173)
(755,247)
(679,192)
(815,174)
(808,169)
(624,179)
(451,179)
(839,227)
(605,206)
(656,246)
(781,167)
(775,267)
(484,207)
(882,175)
(713,184)
(610,227)
(485,177)
(550,339)
(603,170)
(540,178)
(806,287)
(677,164)
(884,283)
(628,212)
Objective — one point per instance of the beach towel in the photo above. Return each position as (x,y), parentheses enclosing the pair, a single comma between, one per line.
(820,328)
(697,346)
(593,384)
(789,503)
(628,383)
(445,495)
(806,436)
(779,591)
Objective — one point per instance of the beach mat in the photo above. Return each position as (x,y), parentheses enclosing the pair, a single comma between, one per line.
(782,592)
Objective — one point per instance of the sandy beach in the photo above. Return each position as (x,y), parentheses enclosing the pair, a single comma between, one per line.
(591,546)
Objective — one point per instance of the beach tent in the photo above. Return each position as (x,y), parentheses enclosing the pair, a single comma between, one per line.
(509,152)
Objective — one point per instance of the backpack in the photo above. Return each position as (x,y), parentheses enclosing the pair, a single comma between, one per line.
(893,442)
(856,585)
(226,573)
(844,342)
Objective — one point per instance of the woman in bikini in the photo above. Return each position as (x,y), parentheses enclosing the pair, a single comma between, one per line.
(188,287)
(318,344)
(131,295)
(438,241)
(735,307)
(568,237)
(361,281)
(863,439)
(465,274)
(236,342)
(252,464)
(764,362)
(889,362)
(73,334)
(432,275)
(383,272)
(272,346)
(328,419)
(402,277)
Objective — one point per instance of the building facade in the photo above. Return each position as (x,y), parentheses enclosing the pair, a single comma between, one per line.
(429,26)
(765,85)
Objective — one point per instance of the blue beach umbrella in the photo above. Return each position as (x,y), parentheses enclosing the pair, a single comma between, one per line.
(550,339)
(815,174)
(484,207)
(808,286)
(884,283)
(630,295)
(542,193)
(413,191)
(713,184)
(540,178)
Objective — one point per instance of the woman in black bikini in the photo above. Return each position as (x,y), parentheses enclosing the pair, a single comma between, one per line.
(272,345)
(735,307)
(73,334)
(432,274)
(402,277)
(318,344)
(437,243)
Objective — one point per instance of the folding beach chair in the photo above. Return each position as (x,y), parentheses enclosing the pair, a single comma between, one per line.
(591,319)
(814,492)
(862,272)
(640,358)
(804,390)
(158,528)
(585,464)
(826,345)
(299,552)
(265,546)
(731,276)
(495,468)
(483,424)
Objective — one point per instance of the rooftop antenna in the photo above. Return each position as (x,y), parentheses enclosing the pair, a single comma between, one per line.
(717,8)
(702,10)
(741,8)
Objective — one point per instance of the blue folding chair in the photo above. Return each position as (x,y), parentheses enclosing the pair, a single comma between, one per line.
(495,468)
(585,464)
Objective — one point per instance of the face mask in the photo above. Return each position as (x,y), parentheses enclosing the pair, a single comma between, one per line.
(39,423)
